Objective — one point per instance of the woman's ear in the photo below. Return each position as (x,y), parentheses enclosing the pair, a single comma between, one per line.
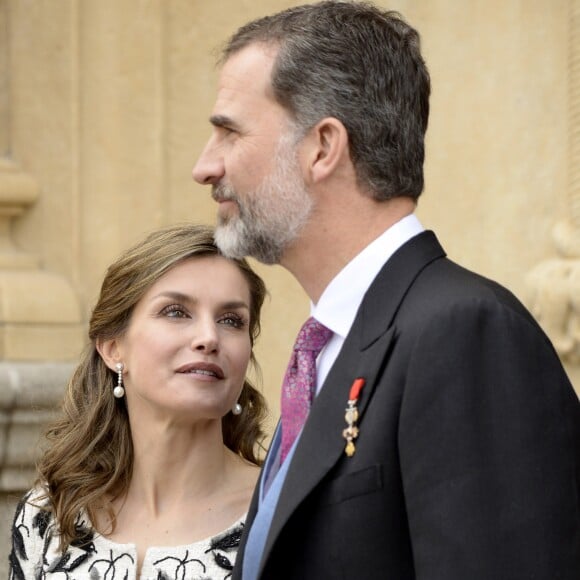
(328,148)
(109,351)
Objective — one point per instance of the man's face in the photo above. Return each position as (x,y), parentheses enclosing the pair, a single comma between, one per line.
(251,162)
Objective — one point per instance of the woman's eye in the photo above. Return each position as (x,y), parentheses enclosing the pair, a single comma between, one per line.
(234,320)
(174,311)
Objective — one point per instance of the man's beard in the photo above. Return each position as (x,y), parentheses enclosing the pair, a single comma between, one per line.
(271,217)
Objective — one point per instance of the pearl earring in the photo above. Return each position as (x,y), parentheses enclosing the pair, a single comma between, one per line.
(119,391)
(237,409)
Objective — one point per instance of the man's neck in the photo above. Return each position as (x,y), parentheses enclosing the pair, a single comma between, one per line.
(331,240)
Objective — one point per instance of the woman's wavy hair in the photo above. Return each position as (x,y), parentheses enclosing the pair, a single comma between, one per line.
(89,457)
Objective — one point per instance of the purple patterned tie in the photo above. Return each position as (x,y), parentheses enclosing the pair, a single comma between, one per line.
(300,381)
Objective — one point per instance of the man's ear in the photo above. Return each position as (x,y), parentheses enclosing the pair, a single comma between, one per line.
(328,148)
(109,351)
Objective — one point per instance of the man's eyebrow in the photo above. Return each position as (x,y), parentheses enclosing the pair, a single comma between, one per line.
(223,121)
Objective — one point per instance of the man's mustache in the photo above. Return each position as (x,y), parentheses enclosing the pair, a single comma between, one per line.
(223,193)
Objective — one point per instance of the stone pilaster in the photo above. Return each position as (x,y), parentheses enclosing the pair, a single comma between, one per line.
(40,317)
(39,321)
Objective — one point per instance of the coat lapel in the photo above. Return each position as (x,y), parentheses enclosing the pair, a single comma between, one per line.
(364,354)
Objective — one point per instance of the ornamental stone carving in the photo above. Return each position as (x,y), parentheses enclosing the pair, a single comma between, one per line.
(555,284)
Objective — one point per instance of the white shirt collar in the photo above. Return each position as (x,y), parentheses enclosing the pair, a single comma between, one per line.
(341,299)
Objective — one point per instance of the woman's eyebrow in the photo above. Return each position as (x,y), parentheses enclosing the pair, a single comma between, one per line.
(181,297)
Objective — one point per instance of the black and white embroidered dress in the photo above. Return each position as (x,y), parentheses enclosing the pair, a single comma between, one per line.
(36,556)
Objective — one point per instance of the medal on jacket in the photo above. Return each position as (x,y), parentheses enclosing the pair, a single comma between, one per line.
(351,417)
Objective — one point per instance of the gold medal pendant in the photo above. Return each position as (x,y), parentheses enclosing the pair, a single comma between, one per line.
(351,417)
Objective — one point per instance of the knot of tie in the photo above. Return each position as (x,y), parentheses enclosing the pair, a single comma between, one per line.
(300,380)
(313,336)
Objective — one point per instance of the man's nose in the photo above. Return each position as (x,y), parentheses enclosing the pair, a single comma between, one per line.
(209,168)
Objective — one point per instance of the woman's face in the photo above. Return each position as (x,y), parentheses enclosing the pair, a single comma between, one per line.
(187,346)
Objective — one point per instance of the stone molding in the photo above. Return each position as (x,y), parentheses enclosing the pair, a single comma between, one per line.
(29,394)
(18,191)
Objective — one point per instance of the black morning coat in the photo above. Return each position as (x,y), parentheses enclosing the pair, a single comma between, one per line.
(467,463)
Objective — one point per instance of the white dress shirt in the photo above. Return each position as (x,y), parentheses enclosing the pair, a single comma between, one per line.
(341,299)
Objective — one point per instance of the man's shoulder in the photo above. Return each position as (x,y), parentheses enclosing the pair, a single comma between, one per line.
(436,284)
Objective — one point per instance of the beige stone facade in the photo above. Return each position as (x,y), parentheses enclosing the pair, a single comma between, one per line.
(103,111)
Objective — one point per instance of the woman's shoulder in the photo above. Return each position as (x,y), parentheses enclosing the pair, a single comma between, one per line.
(32,509)
(31,524)
(36,494)
(36,549)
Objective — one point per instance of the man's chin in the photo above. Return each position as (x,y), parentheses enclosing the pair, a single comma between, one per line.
(228,242)
(233,245)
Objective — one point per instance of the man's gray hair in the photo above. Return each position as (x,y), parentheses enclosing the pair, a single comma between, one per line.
(362,66)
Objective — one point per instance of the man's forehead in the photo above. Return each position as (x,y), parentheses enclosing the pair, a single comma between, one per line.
(245,80)
(249,66)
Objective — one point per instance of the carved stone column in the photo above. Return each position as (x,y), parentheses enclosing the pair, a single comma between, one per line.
(555,284)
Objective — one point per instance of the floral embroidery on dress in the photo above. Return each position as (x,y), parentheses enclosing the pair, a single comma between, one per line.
(227,542)
(36,556)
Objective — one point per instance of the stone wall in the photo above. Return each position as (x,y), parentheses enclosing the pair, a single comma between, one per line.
(29,395)
(103,111)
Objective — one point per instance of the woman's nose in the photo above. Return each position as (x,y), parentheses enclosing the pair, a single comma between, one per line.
(205,338)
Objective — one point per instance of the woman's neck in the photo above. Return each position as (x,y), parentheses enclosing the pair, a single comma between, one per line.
(173,463)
